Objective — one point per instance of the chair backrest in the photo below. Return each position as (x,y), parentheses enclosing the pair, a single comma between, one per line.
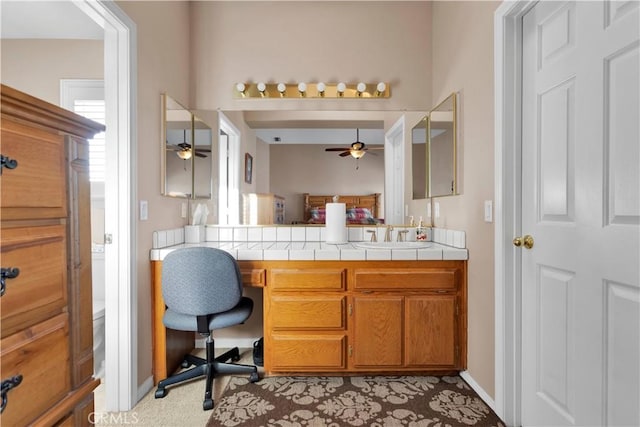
(200,281)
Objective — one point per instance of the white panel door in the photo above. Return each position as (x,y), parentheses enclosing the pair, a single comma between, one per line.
(581,204)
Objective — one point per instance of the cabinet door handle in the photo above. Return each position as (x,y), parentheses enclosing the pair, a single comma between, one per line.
(7,385)
(7,273)
(7,162)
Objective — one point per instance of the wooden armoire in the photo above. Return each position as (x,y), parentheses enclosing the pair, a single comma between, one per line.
(46,331)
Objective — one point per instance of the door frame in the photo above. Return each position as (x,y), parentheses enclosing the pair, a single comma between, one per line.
(394,158)
(508,214)
(121,302)
(233,173)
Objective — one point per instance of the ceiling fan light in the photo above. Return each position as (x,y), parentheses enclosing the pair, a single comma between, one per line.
(356,154)
(184,154)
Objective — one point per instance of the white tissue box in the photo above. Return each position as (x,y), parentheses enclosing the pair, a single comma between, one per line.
(193,233)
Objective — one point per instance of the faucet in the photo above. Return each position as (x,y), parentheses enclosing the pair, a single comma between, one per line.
(387,233)
(373,235)
(401,234)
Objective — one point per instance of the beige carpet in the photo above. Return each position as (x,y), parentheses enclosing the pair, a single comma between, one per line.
(376,401)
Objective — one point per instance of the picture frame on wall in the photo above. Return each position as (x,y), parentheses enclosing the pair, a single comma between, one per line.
(248,167)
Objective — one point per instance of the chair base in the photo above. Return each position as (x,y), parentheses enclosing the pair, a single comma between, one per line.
(209,367)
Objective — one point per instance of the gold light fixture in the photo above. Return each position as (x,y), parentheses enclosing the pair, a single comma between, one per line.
(299,90)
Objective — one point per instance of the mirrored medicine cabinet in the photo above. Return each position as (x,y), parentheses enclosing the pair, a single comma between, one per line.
(433,150)
(187,141)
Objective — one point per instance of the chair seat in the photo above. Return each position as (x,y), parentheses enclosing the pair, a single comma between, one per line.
(186,322)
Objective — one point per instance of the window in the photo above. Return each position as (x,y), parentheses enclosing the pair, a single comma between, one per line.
(86,98)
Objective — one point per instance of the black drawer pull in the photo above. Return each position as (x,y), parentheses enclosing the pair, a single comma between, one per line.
(7,385)
(7,273)
(6,162)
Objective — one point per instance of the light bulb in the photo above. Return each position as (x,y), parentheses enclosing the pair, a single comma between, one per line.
(262,87)
(361,87)
(302,88)
(356,154)
(381,87)
(321,88)
(341,88)
(240,87)
(281,88)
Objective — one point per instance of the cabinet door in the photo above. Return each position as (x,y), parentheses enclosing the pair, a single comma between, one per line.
(430,337)
(377,337)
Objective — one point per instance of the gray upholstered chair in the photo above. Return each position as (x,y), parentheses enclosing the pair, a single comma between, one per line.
(202,289)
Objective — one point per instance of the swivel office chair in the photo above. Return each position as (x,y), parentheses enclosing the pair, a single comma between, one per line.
(202,289)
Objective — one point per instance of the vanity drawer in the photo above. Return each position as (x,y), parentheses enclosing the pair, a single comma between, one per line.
(318,279)
(41,355)
(406,279)
(36,188)
(307,352)
(40,289)
(254,277)
(308,312)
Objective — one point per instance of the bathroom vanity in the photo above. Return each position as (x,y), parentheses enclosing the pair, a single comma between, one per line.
(339,309)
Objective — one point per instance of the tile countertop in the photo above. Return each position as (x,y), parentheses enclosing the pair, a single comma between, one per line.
(319,251)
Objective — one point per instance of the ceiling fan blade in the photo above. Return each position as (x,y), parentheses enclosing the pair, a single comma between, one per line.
(345,154)
(338,149)
(374,148)
(200,154)
(203,150)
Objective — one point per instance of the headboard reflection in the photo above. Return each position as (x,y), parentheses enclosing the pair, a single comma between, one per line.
(367,201)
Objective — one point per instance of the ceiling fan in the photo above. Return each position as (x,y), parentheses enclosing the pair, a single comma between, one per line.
(357,149)
(183,150)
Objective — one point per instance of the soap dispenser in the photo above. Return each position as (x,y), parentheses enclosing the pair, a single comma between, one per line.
(421,233)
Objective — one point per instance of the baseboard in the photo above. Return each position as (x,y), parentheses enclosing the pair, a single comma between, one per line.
(144,388)
(476,387)
(228,342)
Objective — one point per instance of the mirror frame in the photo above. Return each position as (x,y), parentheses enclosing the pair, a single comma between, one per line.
(192,119)
(454,149)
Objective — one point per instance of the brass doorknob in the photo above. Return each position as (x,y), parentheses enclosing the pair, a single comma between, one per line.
(526,241)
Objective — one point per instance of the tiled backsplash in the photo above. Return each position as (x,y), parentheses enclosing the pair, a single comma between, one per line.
(243,233)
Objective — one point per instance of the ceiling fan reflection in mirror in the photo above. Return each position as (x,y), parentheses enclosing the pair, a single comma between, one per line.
(357,149)
(183,150)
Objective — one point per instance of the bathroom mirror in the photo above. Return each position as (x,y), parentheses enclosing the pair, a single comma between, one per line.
(419,160)
(441,152)
(186,153)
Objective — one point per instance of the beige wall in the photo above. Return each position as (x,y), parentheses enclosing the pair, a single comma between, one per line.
(163,66)
(311,41)
(196,53)
(463,62)
(309,169)
(36,66)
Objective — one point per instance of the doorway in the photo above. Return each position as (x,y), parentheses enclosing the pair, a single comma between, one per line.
(229,175)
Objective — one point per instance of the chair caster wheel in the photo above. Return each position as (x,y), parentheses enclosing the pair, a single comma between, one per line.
(235,358)
(160,393)
(207,405)
(185,364)
(254,378)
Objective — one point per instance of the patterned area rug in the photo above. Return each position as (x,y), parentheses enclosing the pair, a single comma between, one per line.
(414,401)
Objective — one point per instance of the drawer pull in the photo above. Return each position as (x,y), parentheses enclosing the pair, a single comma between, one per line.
(7,385)
(6,162)
(7,273)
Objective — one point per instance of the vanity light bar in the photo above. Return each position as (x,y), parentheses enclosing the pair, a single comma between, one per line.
(312,90)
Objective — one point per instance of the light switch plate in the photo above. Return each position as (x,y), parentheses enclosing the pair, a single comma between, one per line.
(144,210)
(488,211)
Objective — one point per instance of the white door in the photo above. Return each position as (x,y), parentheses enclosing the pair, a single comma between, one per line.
(581,204)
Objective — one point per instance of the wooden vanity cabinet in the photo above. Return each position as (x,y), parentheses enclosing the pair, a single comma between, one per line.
(305,312)
(46,332)
(365,316)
